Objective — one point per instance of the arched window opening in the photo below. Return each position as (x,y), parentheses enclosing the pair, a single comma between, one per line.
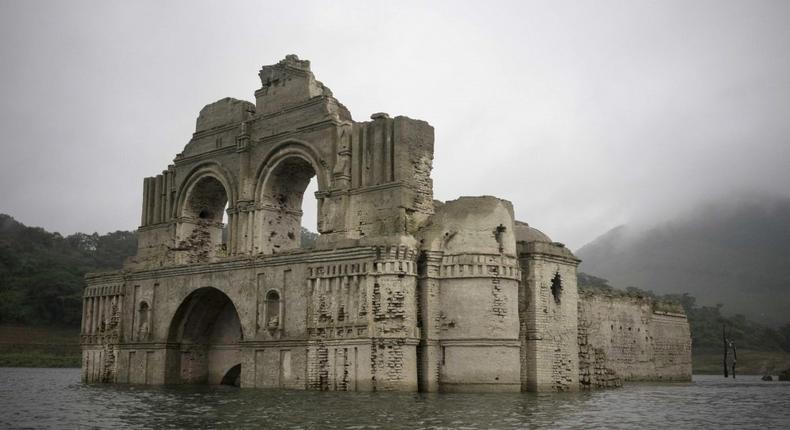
(556,287)
(143,317)
(283,198)
(272,310)
(203,232)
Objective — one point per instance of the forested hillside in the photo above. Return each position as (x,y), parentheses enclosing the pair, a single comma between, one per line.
(41,273)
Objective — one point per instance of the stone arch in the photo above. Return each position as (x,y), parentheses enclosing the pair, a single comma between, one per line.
(281,183)
(204,338)
(209,169)
(284,151)
(200,207)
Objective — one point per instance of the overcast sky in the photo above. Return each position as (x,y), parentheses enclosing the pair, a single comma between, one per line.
(586,115)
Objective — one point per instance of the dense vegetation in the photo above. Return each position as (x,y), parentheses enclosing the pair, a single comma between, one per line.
(308,238)
(41,273)
(707,321)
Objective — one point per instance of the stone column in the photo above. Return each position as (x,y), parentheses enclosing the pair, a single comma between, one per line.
(144,217)
(158,199)
(429,307)
(149,209)
(166,213)
(84,315)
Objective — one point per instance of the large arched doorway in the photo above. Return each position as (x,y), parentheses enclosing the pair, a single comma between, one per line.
(202,234)
(281,199)
(204,340)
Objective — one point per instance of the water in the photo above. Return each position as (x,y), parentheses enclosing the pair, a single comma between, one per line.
(54,398)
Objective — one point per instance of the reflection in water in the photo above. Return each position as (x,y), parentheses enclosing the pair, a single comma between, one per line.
(54,398)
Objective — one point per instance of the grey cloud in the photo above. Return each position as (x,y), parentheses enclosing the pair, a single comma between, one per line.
(585,115)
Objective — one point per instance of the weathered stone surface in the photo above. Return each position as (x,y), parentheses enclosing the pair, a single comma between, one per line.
(401,292)
(637,340)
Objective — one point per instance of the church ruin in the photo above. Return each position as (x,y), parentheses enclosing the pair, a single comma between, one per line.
(401,292)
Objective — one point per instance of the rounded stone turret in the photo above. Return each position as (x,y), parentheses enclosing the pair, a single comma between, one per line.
(481,225)
(531,240)
(525,233)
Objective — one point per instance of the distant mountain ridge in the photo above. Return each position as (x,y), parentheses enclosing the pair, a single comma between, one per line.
(735,253)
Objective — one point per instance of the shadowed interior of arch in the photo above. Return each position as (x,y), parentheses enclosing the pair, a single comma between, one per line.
(233,376)
(283,197)
(204,335)
(203,230)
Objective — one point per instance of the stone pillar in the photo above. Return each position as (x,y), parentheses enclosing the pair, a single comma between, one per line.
(429,308)
(231,244)
(166,195)
(84,315)
(157,199)
(96,314)
(91,315)
(149,201)
(394,313)
(144,216)
(241,227)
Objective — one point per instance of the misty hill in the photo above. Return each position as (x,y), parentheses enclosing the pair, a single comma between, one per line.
(735,254)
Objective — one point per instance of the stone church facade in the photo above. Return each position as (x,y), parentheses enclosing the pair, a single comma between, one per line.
(400,292)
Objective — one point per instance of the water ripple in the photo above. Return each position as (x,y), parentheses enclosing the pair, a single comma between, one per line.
(53,398)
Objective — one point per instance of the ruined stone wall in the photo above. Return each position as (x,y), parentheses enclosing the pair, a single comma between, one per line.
(330,320)
(103,306)
(622,337)
(548,303)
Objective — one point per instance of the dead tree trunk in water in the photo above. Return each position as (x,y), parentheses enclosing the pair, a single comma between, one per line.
(724,341)
(734,358)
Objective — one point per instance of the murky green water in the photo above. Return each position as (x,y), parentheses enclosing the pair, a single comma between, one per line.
(54,398)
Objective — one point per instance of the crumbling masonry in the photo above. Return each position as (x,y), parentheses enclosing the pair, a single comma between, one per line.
(401,292)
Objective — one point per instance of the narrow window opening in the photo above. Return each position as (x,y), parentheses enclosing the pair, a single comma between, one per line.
(272,310)
(556,287)
(142,325)
(225,228)
(309,227)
